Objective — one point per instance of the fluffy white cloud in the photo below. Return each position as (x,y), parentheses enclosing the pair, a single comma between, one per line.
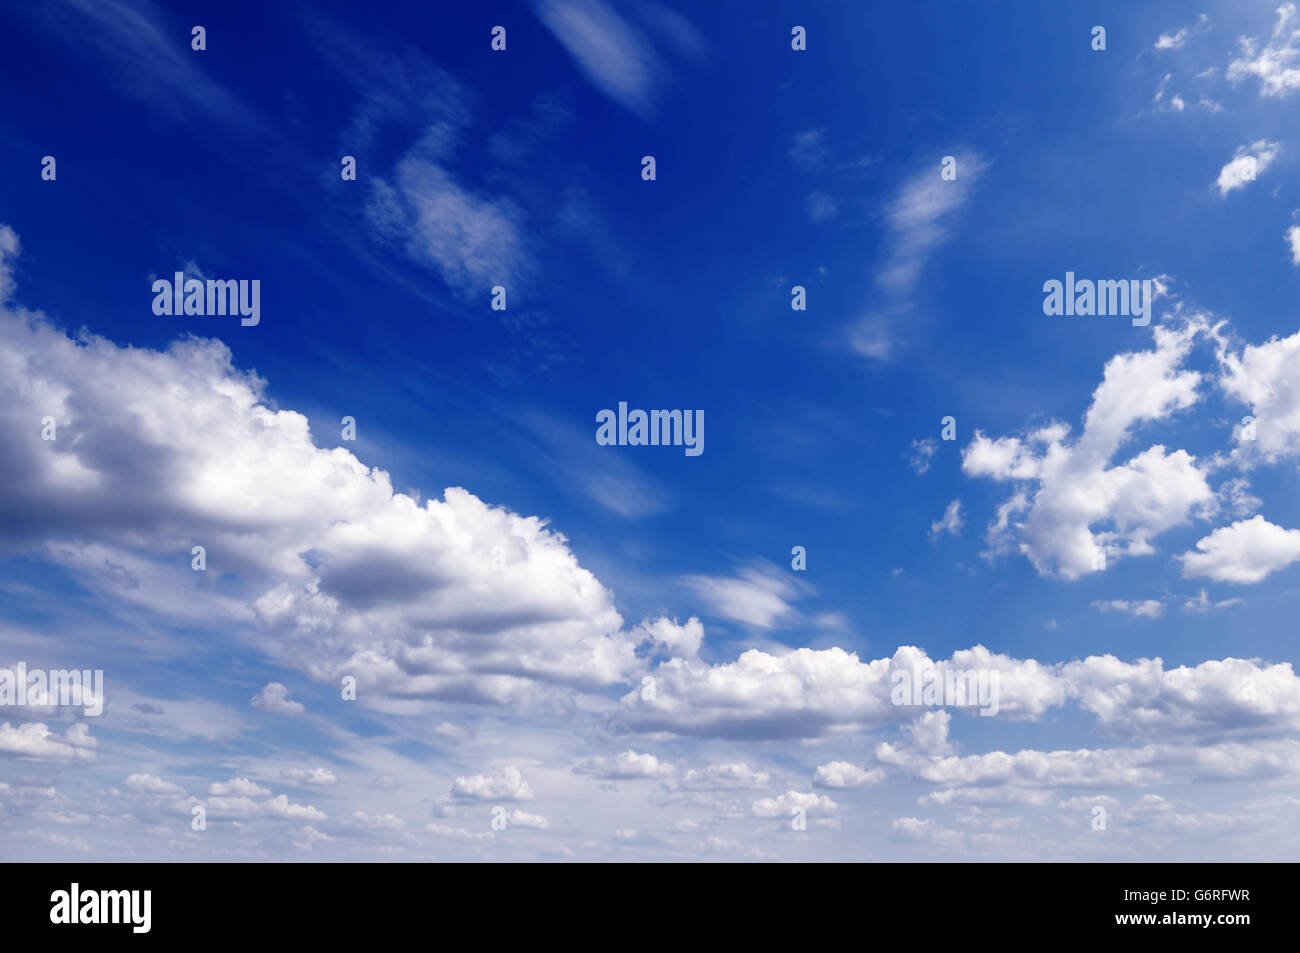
(1266,378)
(722,777)
(1070,487)
(36,742)
(237,787)
(1292,238)
(1244,552)
(506,784)
(274,697)
(679,640)
(843,774)
(1246,164)
(448,598)
(807,692)
(784,804)
(625,766)
(314,776)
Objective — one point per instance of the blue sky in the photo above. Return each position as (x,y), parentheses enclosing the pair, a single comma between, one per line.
(501,632)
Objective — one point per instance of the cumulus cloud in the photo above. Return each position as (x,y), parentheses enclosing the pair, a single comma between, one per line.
(625,766)
(450,598)
(237,787)
(1065,488)
(1245,552)
(1266,378)
(808,692)
(313,776)
(35,741)
(1246,164)
(843,774)
(784,805)
(274,697)
(505,784)
(680,640)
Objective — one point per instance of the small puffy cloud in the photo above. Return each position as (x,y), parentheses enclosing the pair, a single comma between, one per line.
(1292,239)
(313,776)
(153,785)
(275,699)
(723,777)
(679,640)
(506,784)
(281,806)
(626,766)
(1247,163)
(1245,552)
(518,818)
(784,804)
(237,787)
(843,774)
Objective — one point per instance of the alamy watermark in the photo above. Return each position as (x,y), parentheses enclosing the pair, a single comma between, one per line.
(53,688)
(946,687)
(1084,297)
(658,428)
(193,296)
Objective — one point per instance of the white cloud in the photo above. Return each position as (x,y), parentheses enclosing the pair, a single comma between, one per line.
(1276,63)
(1247,163)
(950,522)
(1077,489)
(237,787)
(722,777)
(36,742)
(448,598)
(274,698)
(518,818)
(1245,552)
(625,766)
(843,774)
(506,784)
(758,596)
(920,218)
(153,785)
(783,805)
(1292,238)
(313,776)
(807,692)
(680,640)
